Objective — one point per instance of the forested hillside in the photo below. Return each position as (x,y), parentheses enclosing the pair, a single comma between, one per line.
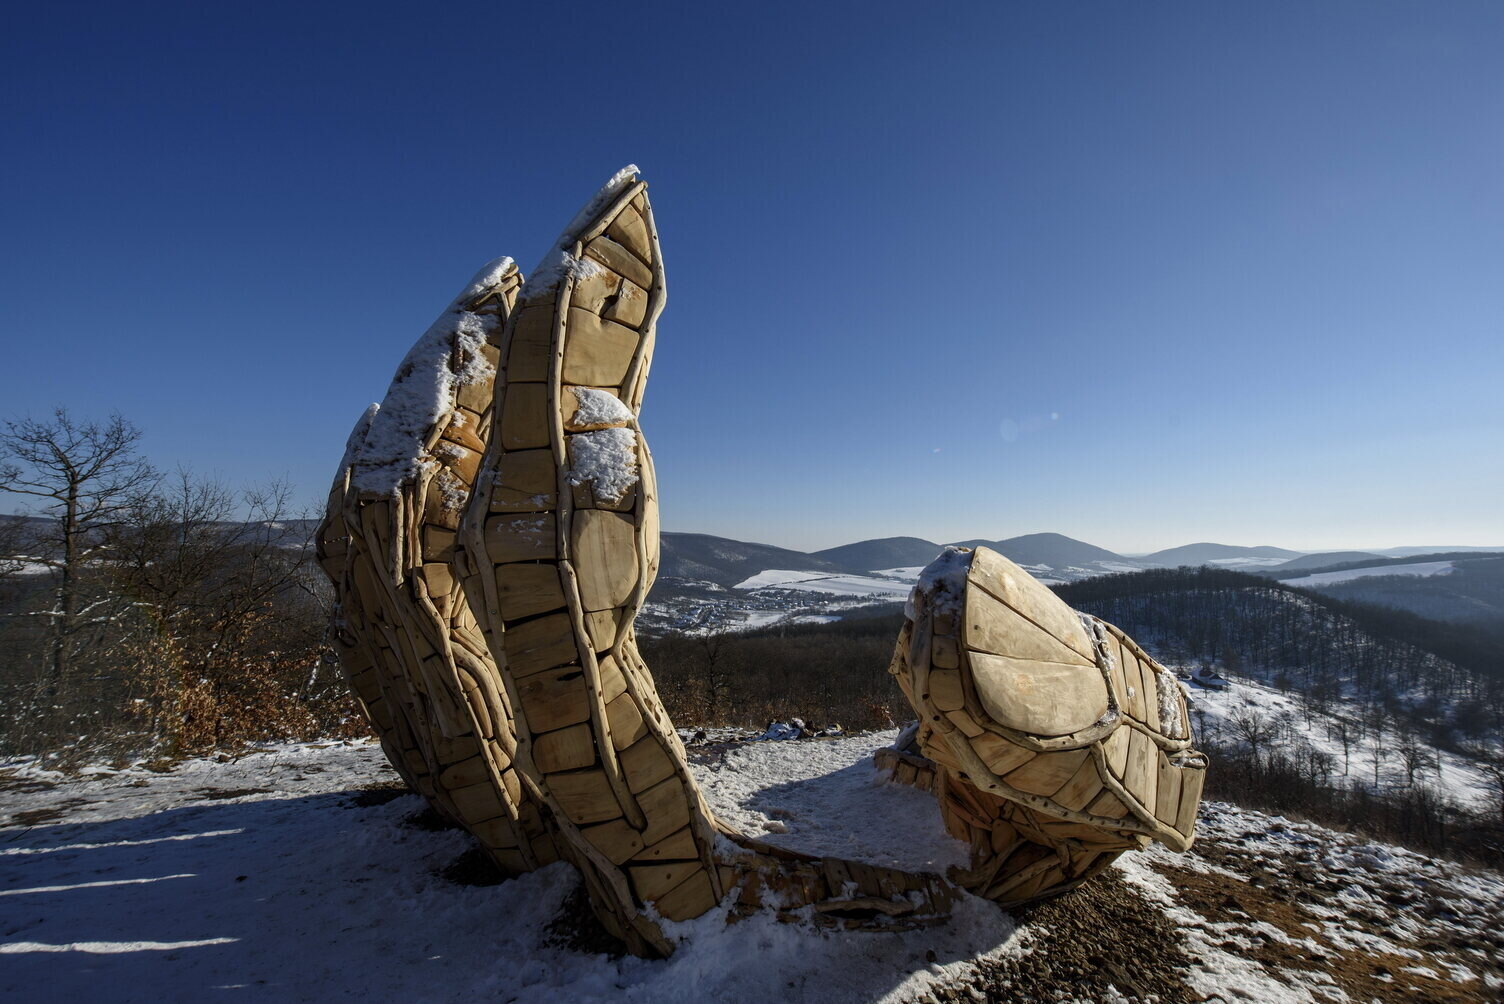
(1444,675)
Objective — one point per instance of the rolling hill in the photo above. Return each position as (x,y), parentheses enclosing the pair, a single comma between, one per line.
(1196,554)
(885,552)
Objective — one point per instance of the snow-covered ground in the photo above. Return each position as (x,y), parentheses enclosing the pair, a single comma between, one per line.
(298,874)
(1245,562)
(1421,569)
(266,876)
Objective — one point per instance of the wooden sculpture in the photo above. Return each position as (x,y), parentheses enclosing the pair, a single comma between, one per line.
(406,638)
(492,533)
(1052,741)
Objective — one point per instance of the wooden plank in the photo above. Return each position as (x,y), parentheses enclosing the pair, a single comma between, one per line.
(595,290)
(477,802)
(999,754)
(554,699)
(525,416)
(631,232)
(1028,596)
(645,763)
(666,807)
(1038,698)
(612,682)
(1047,772)
(615,839)
(1191,781)
(1167,799)
(967,724)
(539,644)
(619,260)
(530,537)
(1132,697)
(1083,786)
(585,796)
(571,748)
(597,352)
(677,846)
(601,626)
(604,551)
(944,652)
(524,590)
(945,690)
(1116,748)
(625,722)
(1107,804)
(992,626)
(525,481)
(630,306)
(532,345)
(438,544)
(466,772)
(1142,775)
(692,898)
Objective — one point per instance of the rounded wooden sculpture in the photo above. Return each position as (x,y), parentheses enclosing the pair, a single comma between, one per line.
(1053,742)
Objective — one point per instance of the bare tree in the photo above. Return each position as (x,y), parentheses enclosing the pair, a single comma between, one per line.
(1346,734)
(1416,756)
(1490,761)
(84,475)
(1252,727)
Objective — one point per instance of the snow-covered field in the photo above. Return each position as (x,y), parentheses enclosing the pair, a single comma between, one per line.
(1421,569)
(299,874)
(823,582)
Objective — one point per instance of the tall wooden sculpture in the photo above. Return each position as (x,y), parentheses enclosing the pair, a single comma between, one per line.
(492,534)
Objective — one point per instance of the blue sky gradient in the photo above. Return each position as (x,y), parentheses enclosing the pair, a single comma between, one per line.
(1140,274)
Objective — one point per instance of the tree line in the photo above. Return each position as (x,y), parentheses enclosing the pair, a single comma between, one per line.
(143,611)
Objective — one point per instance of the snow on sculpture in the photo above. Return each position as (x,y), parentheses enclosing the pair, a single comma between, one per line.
(492,534)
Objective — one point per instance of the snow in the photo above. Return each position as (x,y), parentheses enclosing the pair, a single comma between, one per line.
(391,452)
(825,797)
(560,261)
(909,573)
(599,407)
(824,582)
(276,874)
(1168,690)
(1421,569)
(264,875)
(607,459)
(943,581)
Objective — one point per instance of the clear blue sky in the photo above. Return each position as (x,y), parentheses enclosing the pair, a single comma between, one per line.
(1142,274)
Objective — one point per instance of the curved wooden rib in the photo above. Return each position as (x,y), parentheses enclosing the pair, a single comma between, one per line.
(1042,812)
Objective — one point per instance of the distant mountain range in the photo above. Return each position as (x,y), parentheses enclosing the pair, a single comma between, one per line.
(1051,555)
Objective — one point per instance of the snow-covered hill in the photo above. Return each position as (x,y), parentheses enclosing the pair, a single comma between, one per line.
(307,873)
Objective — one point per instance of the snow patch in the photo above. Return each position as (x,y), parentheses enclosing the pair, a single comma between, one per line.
(391,453)
(599,407)
(607,459)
